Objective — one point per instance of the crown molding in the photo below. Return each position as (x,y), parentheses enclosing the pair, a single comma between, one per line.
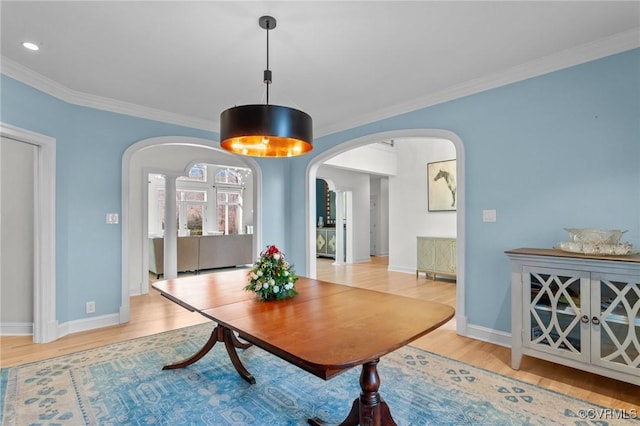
(598,49)
(29,77)
(616,43)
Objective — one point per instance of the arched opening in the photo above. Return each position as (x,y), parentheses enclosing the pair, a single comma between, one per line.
(315,164)
(331,239)
(180,154)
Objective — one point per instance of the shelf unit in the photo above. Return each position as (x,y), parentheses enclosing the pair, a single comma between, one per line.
(577,310)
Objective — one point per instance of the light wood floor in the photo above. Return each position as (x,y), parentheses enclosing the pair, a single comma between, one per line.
(152,314)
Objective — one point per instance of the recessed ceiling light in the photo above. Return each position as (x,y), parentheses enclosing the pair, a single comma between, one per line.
(30,46)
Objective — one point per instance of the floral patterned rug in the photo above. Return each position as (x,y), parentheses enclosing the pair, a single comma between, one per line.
(123,384)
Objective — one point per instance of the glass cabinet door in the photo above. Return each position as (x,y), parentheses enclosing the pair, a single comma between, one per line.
(615,322)
(558,311)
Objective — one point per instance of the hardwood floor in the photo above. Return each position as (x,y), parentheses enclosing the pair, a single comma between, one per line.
(152,313)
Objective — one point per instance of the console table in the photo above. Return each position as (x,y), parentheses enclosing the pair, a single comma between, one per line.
(436,256)
(326,242)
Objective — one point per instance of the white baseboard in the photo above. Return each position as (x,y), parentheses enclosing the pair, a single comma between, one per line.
(402,269)
(88,324)
(500,338)
(16,329)
(85,324)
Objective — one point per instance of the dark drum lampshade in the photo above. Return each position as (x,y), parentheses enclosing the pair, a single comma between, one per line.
(266,131)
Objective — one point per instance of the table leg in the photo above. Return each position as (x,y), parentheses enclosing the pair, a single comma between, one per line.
(228,338)
(238,344)
(219,334)
(369,409)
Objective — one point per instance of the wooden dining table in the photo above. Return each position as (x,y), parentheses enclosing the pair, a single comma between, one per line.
(325,330)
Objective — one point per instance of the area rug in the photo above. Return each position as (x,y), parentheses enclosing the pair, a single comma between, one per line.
(123,384)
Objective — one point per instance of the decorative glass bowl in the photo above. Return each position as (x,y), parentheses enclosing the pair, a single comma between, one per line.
(596,242)
(620,249)
(594,236)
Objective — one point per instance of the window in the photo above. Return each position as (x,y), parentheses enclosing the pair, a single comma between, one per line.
(197,173)
(191,206)
(229,211)
(229,200)
(209,200)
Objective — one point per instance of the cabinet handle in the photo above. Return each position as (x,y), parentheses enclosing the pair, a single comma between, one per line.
(595,320)
(585,319)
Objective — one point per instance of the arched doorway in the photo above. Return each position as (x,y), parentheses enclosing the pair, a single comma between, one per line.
(135,200)
(312,170)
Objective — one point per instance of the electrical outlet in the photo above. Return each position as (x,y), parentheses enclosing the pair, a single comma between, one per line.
(91,307)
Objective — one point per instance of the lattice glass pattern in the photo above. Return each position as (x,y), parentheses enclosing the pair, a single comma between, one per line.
(620,322)
(555,311)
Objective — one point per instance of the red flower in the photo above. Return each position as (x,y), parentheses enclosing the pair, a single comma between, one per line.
(270,251)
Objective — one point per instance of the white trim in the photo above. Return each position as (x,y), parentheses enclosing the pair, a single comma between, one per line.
(310,185)
(250,163)
(598,49)
(45,324)
(16,329)
(607,46)
(489,335)
(402,269)
(85,324)
(57,90)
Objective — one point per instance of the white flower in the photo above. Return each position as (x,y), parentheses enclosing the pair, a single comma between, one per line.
(259,273)
(272,281)
(276,256)
(265,285)
(253,275)
(276,289)
(288,286)
(258,287)
(286,273)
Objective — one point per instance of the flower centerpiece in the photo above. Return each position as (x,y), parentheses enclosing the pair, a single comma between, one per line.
(272,277)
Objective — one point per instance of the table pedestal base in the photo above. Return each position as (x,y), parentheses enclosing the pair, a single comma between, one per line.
(369,409)
(231,342)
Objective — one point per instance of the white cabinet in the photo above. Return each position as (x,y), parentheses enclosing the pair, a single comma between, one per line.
(577,310)
(436,256)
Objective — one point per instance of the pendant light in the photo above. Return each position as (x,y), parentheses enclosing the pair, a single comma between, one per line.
(266,130)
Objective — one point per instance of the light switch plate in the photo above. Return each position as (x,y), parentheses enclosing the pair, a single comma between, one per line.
(112,218)
(488,215)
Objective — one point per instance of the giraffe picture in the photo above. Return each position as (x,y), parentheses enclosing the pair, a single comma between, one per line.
(441,186)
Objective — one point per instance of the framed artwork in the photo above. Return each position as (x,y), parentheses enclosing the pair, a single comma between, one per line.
(441,186)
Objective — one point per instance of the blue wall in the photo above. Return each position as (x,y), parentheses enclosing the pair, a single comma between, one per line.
(89,148)
(560,150)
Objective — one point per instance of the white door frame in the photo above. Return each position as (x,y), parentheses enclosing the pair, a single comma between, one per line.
(311,173)
(135,222)
(45,325)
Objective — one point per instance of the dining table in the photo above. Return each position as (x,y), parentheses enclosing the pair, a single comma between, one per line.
(326,329)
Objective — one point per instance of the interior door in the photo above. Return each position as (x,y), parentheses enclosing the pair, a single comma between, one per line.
(17,192)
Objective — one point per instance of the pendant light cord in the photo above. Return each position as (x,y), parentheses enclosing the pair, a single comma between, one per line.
(267,72)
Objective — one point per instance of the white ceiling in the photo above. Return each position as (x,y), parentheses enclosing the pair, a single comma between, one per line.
(345,63)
